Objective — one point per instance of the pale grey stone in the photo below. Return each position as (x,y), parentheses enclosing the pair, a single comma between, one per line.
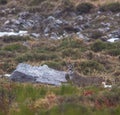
(41,74)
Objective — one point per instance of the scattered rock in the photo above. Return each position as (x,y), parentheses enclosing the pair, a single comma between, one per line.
(60,24)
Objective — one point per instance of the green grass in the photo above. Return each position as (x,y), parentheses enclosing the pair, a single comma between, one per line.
(71,99)
(23,92)
(15,47)
(112,49)
(31,56)
(90,66)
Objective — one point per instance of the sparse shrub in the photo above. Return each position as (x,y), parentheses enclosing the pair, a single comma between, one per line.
(8,39)
(67,5)
(96,34)
(54,65)
(3,2)
(90,55)
(6,54)
(15,47)
(74,53)
(115,45)
(90,66)
(114,52)
(36,57)
(98,46)
(6,98)
(71,43)
(94,0)
(84,7)
(68,108)
(112,49)
(7,67)
(113,7)
(68,90)
(29,91)
(35,2)
(44,56)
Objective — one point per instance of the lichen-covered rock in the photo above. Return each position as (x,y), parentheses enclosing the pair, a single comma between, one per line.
(40,74)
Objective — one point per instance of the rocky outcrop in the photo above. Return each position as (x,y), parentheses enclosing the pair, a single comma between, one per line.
(45,75)
(38,74)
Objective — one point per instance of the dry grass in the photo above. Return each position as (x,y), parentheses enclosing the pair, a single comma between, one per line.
(57,3)
(96,2)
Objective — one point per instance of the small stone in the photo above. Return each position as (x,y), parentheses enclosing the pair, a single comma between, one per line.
(35,35)
(112,40)
(7,22)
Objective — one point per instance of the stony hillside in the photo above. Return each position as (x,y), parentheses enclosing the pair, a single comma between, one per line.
(58,55)
(59,19)
(71,30)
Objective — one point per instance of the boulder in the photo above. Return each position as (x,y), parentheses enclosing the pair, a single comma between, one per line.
(39,74)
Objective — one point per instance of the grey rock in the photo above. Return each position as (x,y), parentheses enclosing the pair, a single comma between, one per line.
(40,74)
(20,33)
(14,21)
(47,29)
(53,35)
(58,21)
(118,14)
(21,77)
(79,18)
(24,14)
(7,22)
(112,40)
(35,35)
(81,36)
